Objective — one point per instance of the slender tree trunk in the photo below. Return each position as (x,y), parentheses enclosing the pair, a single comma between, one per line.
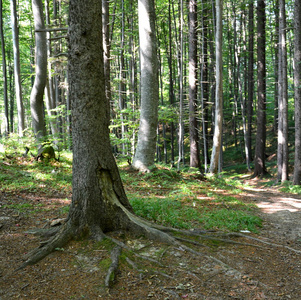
(49,93)
(217,138)
(282,153)
(146,146)
(37,93)
(11,93)
(181,157)
(122,82)
(132,73)
(161,70)
(275,41)
(4,72)
(205,86)
(250,82)
(171,82)
(260,169)
(17,68)
(297,84)
(193,124)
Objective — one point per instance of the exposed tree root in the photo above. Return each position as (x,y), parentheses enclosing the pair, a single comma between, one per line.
(115,254)
(264,242)
(58,241)
(137,226)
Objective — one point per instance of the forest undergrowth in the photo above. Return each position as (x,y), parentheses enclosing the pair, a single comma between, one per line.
(212,217)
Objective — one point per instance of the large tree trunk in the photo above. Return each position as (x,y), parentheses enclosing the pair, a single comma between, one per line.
(193,124)
(37,92)
(17,68)
(282,153)
(297,84)
(146,146)
(260,169)
(99,203)
(217,138)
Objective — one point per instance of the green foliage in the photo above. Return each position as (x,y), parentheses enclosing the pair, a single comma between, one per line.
(181,200)
(288,187)
(18,173)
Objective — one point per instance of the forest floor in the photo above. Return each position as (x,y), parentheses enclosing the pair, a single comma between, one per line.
(267,268)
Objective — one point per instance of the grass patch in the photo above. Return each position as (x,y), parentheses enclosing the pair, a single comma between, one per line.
(174,198)
(180,199)
(25,207)
(288,187)
(27,175)
(172,212)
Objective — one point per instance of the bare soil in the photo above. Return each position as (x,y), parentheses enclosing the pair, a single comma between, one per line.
(270,268)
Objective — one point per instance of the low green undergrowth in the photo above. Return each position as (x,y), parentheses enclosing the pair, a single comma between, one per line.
(182,199)
(18,174)
(288,187)
(171,212)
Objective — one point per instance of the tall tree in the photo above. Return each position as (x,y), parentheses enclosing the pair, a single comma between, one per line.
(250,82)
(297,84)
(204,84)
(282,153)
(146,146)
(260,169)
(218,125)
(4,72)
(37,92)
(193,124)
(171,81)
(17,67)
(99,203)
(49,91)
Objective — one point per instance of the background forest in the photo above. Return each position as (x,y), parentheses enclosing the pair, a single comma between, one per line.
(260,104)
(178,91)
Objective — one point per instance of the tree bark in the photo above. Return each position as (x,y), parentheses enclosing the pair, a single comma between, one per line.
(282,153)
(297,85)
(171,82)
(217,138)
(99,203)
(4,72)
(193,123)
(49,92)
(260,169)
(204,84)
(250,82)
(17,68)
(146,145)
(37,92)
(106,46)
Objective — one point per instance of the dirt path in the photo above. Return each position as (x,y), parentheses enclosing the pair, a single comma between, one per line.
(281,211)
(253,270)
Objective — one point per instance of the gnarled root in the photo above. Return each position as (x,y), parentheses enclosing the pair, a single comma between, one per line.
(57,241)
